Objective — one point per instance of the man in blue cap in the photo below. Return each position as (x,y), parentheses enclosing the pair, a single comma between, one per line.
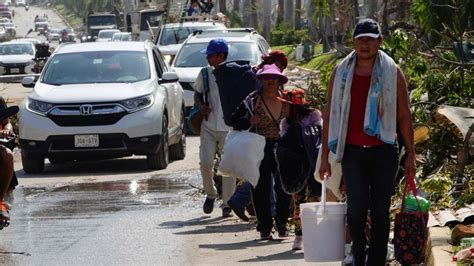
(213,128)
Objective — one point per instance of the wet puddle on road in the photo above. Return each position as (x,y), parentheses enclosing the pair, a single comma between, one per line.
(62,221)
(85,199)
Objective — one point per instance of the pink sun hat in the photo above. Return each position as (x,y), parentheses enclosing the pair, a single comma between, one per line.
(272,70)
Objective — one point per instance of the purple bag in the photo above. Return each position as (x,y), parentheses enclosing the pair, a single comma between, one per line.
(411,231)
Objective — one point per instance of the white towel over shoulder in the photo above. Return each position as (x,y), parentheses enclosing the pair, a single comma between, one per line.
(381,109)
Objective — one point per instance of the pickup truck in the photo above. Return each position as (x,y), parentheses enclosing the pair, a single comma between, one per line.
(41,25)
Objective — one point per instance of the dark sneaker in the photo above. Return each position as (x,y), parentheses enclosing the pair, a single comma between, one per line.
(282,231)
(208,206)
(240,212)
(266,235)
(226,212)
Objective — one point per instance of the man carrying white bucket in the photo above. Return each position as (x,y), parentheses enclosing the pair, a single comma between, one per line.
(368,99)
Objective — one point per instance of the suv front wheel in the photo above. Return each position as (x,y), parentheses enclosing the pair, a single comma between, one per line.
(178,150)
(32,164)
(159,160)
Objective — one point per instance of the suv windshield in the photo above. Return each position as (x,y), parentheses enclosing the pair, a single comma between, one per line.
(97,67)
(16,48)
(153,18)
(175,35)
(107,34)
(101,20)
(190,54)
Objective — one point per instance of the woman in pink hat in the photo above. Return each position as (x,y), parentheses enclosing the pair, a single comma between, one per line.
(262,112)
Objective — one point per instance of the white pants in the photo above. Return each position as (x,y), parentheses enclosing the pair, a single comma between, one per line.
(211,141)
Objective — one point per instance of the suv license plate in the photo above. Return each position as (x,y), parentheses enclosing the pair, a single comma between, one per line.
(81,141)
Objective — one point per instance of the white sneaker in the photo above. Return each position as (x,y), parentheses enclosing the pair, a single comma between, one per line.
(298,243)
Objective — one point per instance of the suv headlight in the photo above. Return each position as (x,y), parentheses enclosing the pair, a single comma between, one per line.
(139,103)
(38,107)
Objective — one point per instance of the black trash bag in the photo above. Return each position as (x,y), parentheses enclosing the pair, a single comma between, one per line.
(292,161)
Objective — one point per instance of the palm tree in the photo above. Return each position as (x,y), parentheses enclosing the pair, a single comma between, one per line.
(297,14)
(222,7)
(281,7)
(267,19)
(288,12)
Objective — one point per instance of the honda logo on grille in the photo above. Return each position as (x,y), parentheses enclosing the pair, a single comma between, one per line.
(85,109)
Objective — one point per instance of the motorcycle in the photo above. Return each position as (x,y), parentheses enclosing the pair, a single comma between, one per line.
(39,64)
(27,7)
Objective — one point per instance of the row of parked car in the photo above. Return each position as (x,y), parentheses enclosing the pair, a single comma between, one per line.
(6,12)
(97,100)
(7,28)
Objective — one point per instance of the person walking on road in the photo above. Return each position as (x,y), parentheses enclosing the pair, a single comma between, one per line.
(296,153)
(267,113)
(368,99)
(213,128)
(242,198)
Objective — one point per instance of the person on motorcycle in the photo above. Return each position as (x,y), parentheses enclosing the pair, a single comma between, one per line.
(42,51)
(41,56)
(64,35)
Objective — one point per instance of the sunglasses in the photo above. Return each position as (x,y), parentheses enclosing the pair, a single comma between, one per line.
(269,77)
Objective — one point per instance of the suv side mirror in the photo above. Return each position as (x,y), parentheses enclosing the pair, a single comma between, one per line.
(28,82)
(168,77)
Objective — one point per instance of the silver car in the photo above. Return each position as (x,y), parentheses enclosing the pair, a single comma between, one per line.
(54,35)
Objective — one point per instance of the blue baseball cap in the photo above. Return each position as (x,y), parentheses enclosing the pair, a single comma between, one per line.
(216,46)
(367,27)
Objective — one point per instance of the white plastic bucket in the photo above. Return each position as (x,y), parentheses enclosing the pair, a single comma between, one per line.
(324,229)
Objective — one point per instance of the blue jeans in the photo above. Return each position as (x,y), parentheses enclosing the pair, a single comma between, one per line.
(369,175)
(243,197)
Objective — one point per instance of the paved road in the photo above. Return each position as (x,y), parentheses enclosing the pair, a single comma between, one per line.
(114,211)
(24,20)
(103,210)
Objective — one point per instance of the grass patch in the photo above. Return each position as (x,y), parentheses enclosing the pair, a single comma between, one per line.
(318,60)
(71,18)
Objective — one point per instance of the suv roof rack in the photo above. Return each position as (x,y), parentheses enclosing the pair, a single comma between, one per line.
(249,30)
(218,18)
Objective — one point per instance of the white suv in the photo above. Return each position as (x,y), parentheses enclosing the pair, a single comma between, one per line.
(172,35)
(245,44)
(99,101)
